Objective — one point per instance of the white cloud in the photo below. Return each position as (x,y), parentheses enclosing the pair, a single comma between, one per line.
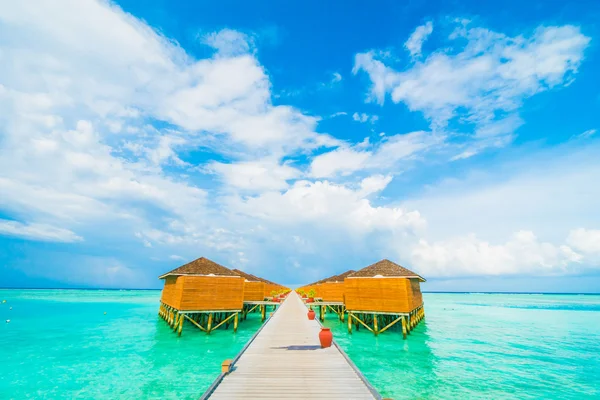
(229,42)
(548,191)
(381,156)
(484,223)
(338,114)
(256,175)
(374,184)
(362,117)
(337,77)
(326,203)
(416,39)
(35,231)
(522,254)
(587,134)
(585,240)
(342,160)
(76,114)
(85,146)
(484,82)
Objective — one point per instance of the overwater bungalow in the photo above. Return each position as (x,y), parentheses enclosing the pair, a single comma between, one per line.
(332,289)
(203,292)
(271,287)
(254,288)
(383,294)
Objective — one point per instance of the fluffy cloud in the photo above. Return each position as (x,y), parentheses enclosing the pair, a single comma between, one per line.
(416,39)
(384,155)
(520,217)
(362,117)
(522,254)
(256,175)
(79,137)
(336,205)
(585,240)
(101,131)
(35,231)
(229,42)
(482,83)
(343,160)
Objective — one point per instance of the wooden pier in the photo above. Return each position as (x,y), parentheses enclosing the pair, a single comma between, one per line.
(285,360)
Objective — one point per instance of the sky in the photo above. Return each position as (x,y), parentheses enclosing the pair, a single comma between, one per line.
(297,140)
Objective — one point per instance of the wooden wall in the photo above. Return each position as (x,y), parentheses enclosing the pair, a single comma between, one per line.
(204,293)
(171,293)
(382,294)
(417,296)
(316,288)
(254,291)
(331,291)
(270,287)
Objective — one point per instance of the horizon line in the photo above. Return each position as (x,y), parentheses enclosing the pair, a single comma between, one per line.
(428,291)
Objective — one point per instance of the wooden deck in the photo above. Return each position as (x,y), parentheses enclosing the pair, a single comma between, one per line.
(285,360)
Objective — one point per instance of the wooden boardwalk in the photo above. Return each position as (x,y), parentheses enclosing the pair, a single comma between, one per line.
(285,360)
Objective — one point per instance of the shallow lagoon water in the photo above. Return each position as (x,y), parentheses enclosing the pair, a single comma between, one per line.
(59,344)
(486,346)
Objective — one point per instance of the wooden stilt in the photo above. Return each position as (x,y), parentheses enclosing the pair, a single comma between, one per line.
(195,323)
(375,327)
(235,322)
(209,325)
(221,322)
(176,321)
(403,328)
(349,322)
(263,310)
(362,323)
(389,325)
(181,318)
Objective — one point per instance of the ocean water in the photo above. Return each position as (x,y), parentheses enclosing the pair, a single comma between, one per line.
(486,346)
(59,344)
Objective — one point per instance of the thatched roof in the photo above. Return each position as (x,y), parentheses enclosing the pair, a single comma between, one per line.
(329,279)
(258,278)
(340,277)
(385,268)
(248,277)
(201,266)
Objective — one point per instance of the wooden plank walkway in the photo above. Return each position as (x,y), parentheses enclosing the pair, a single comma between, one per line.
(285,360)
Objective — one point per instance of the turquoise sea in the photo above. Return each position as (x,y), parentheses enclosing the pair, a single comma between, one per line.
(60,344)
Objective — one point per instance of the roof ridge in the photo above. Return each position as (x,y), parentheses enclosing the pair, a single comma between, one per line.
(201,266)
(386,268)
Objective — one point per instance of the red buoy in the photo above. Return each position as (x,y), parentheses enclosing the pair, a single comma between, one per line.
(325,337)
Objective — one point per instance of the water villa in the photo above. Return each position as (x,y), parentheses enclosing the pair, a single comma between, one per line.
(254,288)
(209,295)
(381,295)
(332,289)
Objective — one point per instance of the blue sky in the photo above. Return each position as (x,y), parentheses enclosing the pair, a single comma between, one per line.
(296,141)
